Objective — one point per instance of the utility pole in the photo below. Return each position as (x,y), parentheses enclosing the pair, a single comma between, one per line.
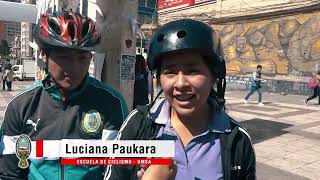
(118,24)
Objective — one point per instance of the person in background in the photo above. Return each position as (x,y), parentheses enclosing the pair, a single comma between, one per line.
(3,78)
(1,74)
(255,86)
(141,82)
(9,77)
(316,89)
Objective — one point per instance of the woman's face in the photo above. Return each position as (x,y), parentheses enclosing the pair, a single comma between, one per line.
(186,81)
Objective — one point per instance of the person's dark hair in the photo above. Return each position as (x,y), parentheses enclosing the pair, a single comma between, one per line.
(259,66)
(46,51)
(318,73)
(44,63)
(141,64)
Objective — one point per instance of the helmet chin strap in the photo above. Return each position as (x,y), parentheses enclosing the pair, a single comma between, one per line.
(155,99)
(221,88)
(51,80)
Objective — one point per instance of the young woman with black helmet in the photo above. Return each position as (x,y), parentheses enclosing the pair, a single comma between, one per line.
(188,58)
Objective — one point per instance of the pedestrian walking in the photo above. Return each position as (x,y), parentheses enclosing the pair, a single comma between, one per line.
(188,58)
(66,105)
(9,77)
(255,86)
(314,83)
(4,79)
(141,82)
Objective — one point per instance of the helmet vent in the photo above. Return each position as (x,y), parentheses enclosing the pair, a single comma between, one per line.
(68,16)
(54,26)
(181,34)
(66,29)
(71,30)
(160,37)
(85,28)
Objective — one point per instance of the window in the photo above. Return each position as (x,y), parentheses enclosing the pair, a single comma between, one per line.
(141,18)
(85,7)
(147,19)
(142,3)
(15,68)
(152,3)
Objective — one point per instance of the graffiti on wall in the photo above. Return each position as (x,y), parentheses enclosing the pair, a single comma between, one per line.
(288,45)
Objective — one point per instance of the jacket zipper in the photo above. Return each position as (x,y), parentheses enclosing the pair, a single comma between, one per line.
(225,157)
(62,171)
(61,120)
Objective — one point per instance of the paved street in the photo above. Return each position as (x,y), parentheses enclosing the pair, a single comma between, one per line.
(285,132)
(6,96)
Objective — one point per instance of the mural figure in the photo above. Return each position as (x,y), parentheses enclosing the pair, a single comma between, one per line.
(286,46)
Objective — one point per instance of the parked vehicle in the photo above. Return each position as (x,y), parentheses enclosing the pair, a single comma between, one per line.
(25,71)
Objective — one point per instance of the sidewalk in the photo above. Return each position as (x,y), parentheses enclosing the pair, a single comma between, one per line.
(6,96)
(285,133)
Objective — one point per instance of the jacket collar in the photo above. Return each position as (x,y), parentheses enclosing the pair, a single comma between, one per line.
(52,89)
(160,113)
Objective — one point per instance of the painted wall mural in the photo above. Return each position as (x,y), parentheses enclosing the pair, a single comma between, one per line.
(287,45)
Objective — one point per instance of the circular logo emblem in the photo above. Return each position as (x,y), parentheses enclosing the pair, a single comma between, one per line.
(92,122)
(23,150)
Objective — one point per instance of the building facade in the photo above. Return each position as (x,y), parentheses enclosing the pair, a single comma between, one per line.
(26,35)
(11,30)
(282,36)
(84,4)
(16,50)
(146,15)
(1,30)
(146,11)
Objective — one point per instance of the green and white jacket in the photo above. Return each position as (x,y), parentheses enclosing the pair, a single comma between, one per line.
(39,113)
